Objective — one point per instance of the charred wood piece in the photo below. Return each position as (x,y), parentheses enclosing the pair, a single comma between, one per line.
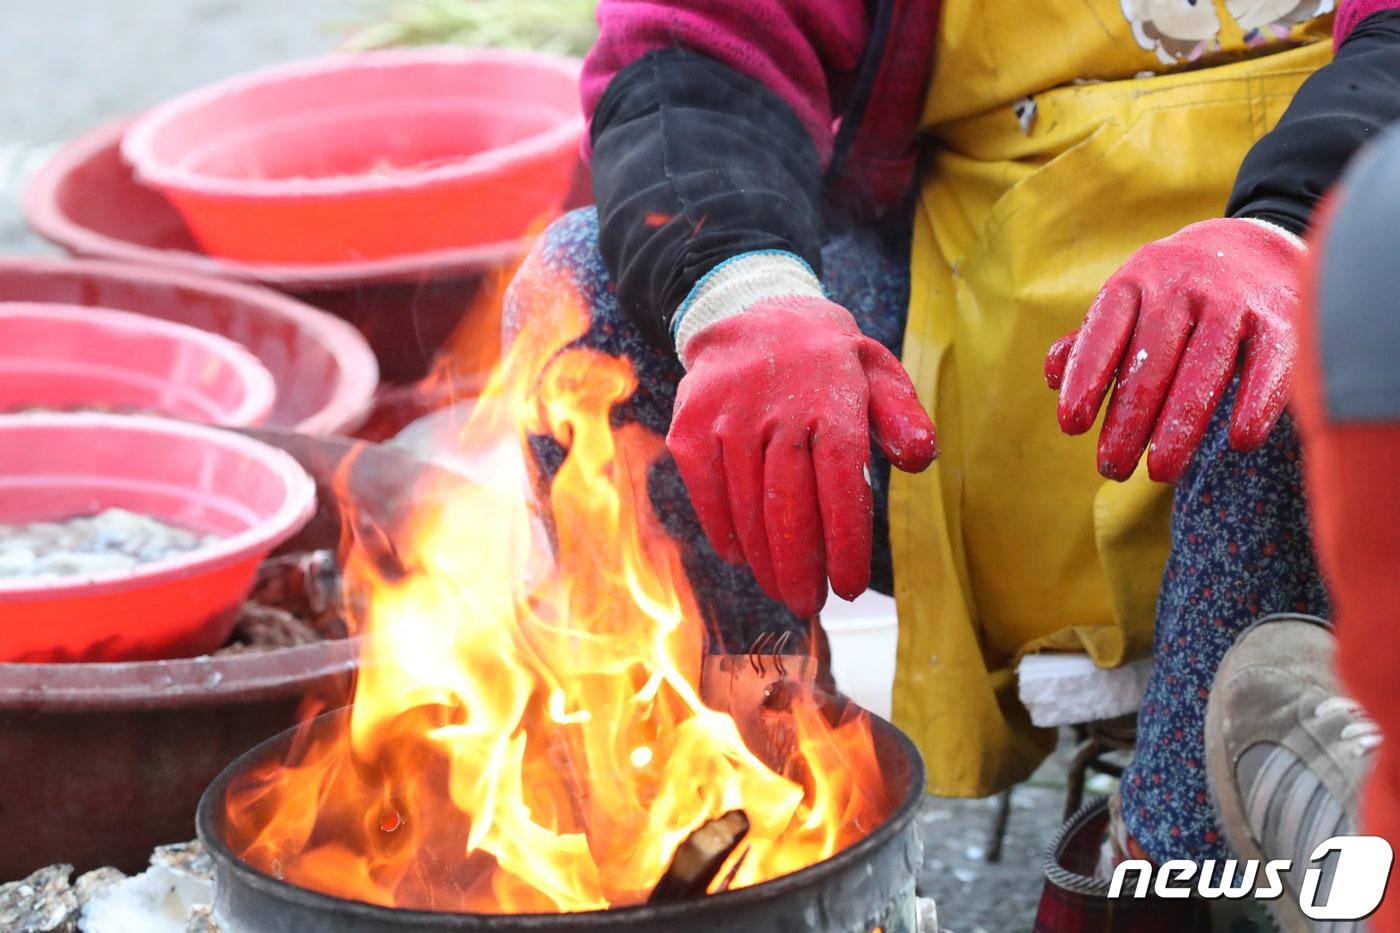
(699,859)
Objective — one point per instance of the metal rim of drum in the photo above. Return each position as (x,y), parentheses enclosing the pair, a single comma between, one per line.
(210,824)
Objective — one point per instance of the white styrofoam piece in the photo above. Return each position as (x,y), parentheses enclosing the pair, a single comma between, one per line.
(864,636)
(1064,689)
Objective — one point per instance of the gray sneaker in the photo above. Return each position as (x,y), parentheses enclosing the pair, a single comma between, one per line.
(1285,752)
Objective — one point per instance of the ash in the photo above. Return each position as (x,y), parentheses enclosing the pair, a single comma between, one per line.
(110,541)
(172,896)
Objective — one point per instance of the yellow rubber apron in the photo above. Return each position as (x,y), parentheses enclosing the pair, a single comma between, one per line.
(1064,134)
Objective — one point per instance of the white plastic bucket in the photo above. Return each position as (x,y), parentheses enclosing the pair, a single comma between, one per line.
(864,636)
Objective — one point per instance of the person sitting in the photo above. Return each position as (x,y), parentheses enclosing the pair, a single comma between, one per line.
(824,224)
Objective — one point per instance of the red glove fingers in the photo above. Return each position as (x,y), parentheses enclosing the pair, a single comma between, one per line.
(746,477)
(771,434)
(790,512)
(1093,362)
(1203,376)
(1144,377)
(841,460)
(1265,381)
(1056,359)
(901,427)
(700,459)
(1168,328)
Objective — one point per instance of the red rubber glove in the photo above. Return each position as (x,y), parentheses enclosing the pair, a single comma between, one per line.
(1169,326)
(772,436)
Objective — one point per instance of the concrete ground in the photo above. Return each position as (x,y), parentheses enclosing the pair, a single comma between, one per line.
(973,894)
(69,64)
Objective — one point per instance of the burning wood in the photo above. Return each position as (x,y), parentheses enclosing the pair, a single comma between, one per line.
(528,733)
(699,859)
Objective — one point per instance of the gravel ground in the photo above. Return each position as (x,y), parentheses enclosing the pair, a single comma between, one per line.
(69,64)
(977,896)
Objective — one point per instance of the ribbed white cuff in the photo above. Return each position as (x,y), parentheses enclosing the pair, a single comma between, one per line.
(736,284)
(1288,235)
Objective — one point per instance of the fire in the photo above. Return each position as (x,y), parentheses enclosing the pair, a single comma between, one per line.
(527,733)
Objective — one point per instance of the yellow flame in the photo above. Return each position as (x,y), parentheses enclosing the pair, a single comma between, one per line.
(527,731)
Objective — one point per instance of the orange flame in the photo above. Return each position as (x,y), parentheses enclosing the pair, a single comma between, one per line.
(527,733)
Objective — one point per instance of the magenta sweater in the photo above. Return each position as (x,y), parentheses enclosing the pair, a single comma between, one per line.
(807,51)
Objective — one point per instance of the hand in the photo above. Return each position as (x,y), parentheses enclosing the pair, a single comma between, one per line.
(772,436)
(1170,326)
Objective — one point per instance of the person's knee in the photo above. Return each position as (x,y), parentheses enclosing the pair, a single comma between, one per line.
(571,242)
(563,262)
(1216,454)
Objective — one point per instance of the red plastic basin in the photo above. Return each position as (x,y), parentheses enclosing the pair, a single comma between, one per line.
(86,200)
(56,466)
(366,156)
(66,356)
(324,371)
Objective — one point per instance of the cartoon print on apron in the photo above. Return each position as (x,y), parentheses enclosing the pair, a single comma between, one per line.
(1180,31)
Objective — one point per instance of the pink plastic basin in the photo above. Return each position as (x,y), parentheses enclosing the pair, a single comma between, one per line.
(324,371)
(87,200)
(67,357)
(359,157)
(57,466)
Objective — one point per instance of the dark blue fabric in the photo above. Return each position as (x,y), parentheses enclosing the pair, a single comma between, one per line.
(1240,549)
(1337,110)
(695,163)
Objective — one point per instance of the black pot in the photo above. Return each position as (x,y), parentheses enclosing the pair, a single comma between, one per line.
(866,887)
